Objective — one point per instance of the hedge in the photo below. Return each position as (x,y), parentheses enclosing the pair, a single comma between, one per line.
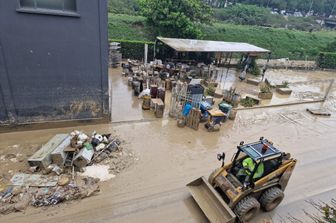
(135,49)
(327,60)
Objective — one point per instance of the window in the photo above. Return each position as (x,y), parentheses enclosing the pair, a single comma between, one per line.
(55,5)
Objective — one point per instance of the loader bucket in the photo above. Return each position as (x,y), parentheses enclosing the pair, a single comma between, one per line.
(211,203)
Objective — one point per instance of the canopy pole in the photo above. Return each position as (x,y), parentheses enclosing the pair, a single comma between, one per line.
(155,45)
(227,72)
(266,66)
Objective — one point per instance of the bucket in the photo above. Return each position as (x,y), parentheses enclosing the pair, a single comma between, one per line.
(233,114)
(136,87)
(236,100)
(146,102)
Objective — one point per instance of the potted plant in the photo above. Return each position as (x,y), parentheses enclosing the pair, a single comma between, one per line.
(210,90)
(265,92)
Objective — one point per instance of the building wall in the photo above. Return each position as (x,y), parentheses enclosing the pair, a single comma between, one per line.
(53,67)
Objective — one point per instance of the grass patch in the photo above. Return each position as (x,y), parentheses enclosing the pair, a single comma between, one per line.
(247,102)
(128,27)
(282,42)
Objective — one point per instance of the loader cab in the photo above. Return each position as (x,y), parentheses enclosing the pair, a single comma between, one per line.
(265,157)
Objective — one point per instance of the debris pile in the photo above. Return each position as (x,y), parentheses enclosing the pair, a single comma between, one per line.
(52,176)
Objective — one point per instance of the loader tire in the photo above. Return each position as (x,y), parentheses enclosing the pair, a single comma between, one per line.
(247,208)
(271,198)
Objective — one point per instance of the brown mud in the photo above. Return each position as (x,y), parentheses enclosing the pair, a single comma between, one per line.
(153,188)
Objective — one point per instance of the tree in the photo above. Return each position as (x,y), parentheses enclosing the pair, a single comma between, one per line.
(123,7)
(331,47)
(176,18)
(244,14)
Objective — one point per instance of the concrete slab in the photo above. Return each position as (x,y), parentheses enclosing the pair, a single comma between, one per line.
(253,81)
(284,91)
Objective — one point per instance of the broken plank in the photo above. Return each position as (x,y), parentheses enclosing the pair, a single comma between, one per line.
(321,112)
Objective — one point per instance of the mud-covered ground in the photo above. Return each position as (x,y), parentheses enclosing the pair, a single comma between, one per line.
(152,189)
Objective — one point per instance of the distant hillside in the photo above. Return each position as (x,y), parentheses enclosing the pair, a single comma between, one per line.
(321,7)
(254,15)
(282,42)
(123,6)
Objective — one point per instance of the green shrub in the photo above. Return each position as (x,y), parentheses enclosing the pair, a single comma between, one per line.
(327,60)
(243,14)
(265,88)
(135,49)
(247,102)
(285,84)
(124,6)
(211,90)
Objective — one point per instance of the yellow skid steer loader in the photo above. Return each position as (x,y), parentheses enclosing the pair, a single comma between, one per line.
(255,178)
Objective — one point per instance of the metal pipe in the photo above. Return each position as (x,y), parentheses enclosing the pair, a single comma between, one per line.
(328,89)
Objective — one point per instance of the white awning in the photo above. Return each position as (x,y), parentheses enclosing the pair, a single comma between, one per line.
(192,45)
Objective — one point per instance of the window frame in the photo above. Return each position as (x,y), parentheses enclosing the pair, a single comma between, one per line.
(56,12)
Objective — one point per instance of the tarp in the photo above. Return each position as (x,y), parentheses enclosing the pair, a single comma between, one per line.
(192,45)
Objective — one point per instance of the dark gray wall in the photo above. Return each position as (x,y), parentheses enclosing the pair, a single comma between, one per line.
(53,67)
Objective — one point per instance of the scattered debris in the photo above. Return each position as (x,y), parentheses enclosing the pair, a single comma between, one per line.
(63,180)
(65,193)
(23,203)
(52,176)
(55,168)
(33,169)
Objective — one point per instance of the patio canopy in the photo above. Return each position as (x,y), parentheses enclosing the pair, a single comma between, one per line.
(192,45)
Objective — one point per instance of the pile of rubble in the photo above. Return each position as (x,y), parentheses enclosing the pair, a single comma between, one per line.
(68,167)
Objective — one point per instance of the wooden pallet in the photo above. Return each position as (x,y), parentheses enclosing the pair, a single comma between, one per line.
(193,119)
